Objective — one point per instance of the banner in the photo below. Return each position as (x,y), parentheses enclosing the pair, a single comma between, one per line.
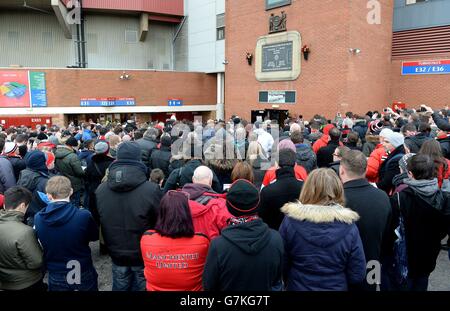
(14,89)
(22,89)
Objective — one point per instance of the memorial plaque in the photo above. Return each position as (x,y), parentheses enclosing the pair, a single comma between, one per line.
(277,57)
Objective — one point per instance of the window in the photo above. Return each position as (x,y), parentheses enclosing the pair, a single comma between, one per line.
(131,36)
(408,2)
(271,4)
(220,26)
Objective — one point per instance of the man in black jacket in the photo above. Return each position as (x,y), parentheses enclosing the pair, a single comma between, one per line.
(248,255)
(128,206)
(325,154)
(160,158)
(370,203)
(147,145)
(285,189)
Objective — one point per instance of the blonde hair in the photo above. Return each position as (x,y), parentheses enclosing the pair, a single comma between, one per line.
(323,187)
(59,187)
(254,150)
(114,140)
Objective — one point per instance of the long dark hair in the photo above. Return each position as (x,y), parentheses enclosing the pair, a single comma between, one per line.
(433,149)
(174,219)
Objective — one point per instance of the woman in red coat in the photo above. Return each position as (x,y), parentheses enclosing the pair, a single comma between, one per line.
(174,255)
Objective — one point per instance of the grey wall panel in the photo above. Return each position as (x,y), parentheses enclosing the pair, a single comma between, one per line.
(33,40)
(421,15)
(111,43)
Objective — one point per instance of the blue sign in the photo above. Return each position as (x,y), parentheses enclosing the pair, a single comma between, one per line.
(38,91)
(107,102)
(432,67)
(175,102)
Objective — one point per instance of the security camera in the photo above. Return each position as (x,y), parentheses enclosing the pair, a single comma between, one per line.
(225,62)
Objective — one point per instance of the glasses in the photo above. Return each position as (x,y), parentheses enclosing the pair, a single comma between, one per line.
(336,155)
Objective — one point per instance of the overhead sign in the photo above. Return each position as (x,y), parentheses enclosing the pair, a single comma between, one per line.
(429,67)
(174,102)
(107,102)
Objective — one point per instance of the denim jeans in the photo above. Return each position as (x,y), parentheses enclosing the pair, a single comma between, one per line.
(58,282)
(128,278)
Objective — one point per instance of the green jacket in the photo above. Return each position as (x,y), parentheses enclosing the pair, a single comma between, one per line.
(68,164)
(21,257)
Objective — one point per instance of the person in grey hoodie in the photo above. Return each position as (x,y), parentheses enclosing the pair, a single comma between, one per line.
(21,257)
(305,155)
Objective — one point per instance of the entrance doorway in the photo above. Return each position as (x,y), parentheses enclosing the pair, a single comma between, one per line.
(270,114)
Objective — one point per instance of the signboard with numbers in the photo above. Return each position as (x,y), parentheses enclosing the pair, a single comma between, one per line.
(429,67)
(107,102)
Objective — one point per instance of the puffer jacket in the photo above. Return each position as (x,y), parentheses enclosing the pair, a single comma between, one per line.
(306,157)
(374,162)
(323,249)
(21,257)
(68,164)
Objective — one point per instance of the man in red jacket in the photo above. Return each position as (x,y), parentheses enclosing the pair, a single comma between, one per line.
(208,208)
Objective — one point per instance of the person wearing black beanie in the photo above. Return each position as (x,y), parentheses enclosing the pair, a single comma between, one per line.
(248,255)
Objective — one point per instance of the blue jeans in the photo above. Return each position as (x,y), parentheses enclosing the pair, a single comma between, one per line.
(128,278)
(58,282)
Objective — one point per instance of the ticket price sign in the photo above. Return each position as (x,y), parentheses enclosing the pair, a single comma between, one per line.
(432,67)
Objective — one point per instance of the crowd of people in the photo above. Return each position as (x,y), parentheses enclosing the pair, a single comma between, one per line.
(227,206)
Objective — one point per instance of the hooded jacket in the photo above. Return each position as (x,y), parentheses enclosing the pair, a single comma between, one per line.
(246,257)
(208,209)
(21,256)
(128,205)
(34,178)
(68,164)
(425,226)
(64,232)
(323,141)
(323,250)
(371,143)
(306,157)
(285,189)
(18,165)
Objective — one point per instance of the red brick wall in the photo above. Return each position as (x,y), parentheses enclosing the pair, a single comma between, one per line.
(433,90)
(332,79)
(66,87)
